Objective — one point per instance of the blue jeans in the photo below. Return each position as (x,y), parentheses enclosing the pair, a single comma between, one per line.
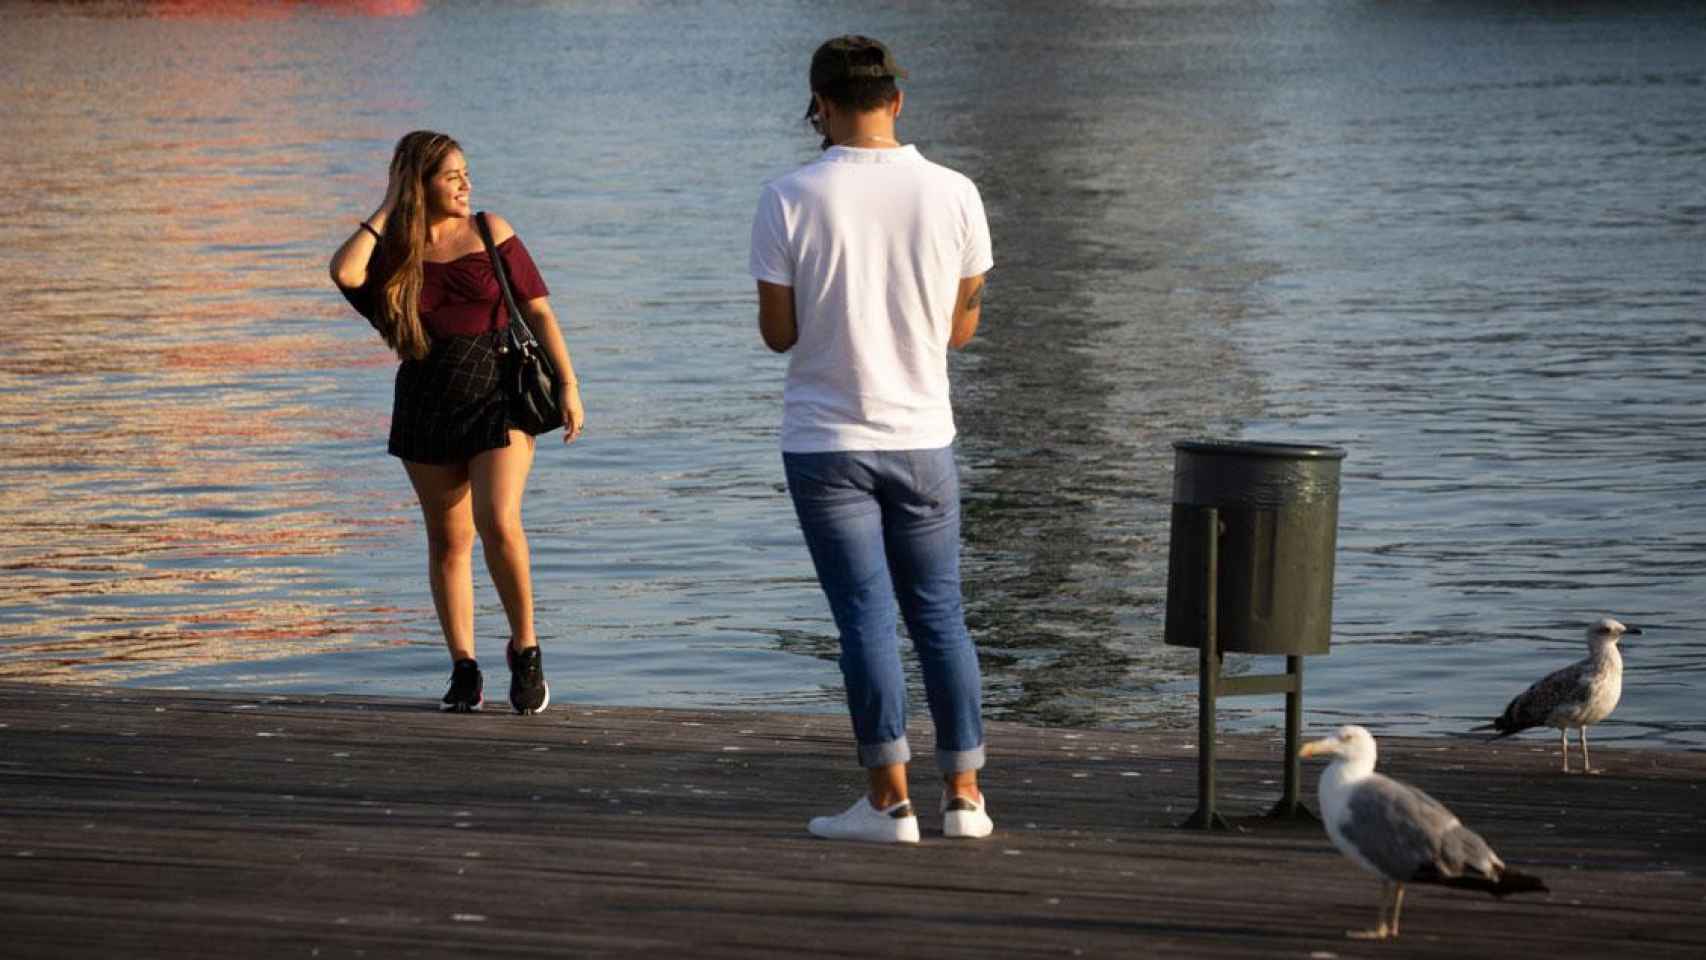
(884,526)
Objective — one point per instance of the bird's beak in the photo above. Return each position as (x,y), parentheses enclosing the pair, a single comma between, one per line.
(1629,630)
(1315,748)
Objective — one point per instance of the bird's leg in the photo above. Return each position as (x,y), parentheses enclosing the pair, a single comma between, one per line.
(1397,903)
(1380,931)
(1564,733)
(1586,767)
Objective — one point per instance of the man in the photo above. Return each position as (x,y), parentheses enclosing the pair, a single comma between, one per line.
(870,263)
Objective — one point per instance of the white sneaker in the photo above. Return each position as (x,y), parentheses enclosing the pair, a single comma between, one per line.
(965,819)
(861,821)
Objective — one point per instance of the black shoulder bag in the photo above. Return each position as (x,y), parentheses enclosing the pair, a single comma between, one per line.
(529,378)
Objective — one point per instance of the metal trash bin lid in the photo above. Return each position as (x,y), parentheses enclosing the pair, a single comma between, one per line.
(1262,448)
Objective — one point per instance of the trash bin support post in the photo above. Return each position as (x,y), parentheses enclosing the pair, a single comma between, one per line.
(1208,679)
(1289,806)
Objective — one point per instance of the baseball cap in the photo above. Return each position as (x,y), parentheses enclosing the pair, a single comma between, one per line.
(852,57)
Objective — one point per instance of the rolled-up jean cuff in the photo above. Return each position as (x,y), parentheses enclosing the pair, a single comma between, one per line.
(959,761)
(873,755)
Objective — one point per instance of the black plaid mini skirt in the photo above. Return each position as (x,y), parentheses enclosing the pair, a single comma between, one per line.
(450,404)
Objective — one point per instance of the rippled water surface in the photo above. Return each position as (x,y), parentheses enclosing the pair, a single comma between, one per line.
(1461,240)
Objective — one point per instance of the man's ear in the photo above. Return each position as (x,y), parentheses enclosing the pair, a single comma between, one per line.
(899,101)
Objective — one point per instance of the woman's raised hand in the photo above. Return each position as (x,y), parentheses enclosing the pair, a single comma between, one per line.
(393,195)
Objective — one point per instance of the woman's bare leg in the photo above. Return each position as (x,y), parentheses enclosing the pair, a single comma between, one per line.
(498,479)
(446,507)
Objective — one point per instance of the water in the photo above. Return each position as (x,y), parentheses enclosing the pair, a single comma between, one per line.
(1461,240)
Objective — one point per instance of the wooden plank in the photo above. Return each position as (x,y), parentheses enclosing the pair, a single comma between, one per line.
(145,823)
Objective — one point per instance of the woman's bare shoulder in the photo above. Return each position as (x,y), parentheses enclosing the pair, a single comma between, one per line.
(501,228)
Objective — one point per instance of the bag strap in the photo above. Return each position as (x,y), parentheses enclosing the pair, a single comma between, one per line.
(515,319)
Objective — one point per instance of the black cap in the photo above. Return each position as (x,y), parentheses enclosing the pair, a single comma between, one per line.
(852,57)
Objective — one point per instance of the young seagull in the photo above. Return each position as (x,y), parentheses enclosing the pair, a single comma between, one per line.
(1399,833)
(1579,695)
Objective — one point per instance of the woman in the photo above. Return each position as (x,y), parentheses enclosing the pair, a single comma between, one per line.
(418,270)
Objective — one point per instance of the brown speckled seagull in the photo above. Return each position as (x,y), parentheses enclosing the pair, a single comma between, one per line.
(1579,695)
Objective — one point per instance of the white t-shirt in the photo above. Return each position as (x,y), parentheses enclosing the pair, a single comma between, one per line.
(874,244)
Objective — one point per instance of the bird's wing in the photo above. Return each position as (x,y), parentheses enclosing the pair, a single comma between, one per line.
(1462,853)
(1408,835)
(1533,707)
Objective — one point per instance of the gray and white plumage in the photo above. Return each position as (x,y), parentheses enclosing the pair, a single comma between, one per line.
(1579,695)
(1399,833)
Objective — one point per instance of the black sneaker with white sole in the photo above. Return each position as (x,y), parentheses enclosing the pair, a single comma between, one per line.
(465,694)
(528,691)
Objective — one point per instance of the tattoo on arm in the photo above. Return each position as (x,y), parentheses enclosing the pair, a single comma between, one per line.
(974,299)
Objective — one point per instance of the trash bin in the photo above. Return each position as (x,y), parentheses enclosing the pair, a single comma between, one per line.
(1250,569)
(1278,510)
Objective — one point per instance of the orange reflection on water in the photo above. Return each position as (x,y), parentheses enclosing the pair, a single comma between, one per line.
(176,433)
(231,636)
(158,518)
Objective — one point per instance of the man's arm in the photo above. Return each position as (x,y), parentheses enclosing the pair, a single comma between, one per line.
(776,316)
(968,310)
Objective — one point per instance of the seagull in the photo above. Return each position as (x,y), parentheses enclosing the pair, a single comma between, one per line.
(1399,833)
(1579,695)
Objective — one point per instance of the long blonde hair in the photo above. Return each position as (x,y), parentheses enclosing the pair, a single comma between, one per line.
(416,160)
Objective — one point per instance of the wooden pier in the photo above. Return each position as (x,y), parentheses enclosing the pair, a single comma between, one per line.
(155,824)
